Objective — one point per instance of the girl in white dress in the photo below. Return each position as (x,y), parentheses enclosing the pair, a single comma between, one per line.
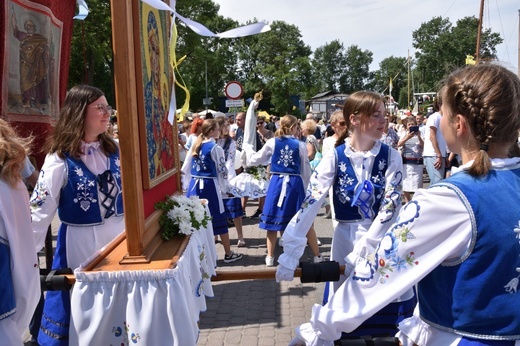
(20,284)
(458,240)
(81,180)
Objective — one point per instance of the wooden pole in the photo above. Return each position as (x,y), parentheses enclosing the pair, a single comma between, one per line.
(126,100)
(230,275)
(477,53)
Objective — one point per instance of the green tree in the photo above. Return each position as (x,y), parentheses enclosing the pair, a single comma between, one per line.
(328,63)
(356,74)
(443,47)
(214,53)
(391,68)
(91,60)
(277,62)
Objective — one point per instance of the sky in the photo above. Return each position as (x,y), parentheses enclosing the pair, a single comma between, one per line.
(383,27)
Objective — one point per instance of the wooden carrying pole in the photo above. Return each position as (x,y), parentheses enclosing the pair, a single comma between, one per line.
(308,272)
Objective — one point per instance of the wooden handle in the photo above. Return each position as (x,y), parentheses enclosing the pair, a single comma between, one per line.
(229,275)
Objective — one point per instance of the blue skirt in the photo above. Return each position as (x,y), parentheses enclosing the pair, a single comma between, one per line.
(54,329)
(233,207)
(275,218)
(209,192)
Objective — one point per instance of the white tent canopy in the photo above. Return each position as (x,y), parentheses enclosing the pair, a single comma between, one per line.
(215,113)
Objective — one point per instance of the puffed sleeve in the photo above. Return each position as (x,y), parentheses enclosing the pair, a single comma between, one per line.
(217,154)
(230,162)
(46,196)
(305,164)
(261,157)
(186,171)
(294,236)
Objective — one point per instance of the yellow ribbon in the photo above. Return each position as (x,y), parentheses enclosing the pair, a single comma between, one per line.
(175,68)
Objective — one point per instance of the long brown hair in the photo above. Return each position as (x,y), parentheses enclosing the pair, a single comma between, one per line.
(364,103)
(488,97)
(207,126)
(13,150)
(70,128)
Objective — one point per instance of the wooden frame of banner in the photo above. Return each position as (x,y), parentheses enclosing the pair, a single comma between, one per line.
(140,247)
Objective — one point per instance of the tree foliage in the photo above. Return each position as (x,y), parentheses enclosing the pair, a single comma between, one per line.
(328,64)
(356,72)
(278,61)
(395,69)
(443,47)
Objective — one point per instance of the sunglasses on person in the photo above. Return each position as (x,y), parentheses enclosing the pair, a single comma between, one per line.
(260,123)
(342,123)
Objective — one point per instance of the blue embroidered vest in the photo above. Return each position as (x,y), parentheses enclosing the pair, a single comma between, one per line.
(346,183)
(80,201)
(477,295)
(286,156)
(203,166)
(7,301)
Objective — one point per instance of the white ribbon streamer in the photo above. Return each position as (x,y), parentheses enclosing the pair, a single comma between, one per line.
(83,10)
(246,30)
(286,179)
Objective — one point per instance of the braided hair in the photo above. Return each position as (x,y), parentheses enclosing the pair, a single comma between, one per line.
(488,97)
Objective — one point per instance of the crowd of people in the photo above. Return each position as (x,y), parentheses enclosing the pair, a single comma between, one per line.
(436,266)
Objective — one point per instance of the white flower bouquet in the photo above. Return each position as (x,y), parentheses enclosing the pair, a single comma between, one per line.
(181,215)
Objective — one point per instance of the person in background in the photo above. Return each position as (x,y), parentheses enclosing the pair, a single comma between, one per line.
(338,126)
(81,180)
(366,177)
(434,153)
(232,205)
(419,118)
(412,145)
(317,132)
(308,127)
(459,237)
(195,131)
(205,175)
(390,136)
(290,172)
(271,126)
(20,284)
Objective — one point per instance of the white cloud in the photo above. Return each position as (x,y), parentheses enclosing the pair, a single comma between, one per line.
(383,27)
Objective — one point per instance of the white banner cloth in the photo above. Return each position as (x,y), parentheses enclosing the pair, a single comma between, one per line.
(145,307)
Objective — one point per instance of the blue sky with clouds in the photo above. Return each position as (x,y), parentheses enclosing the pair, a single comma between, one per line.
(383,27)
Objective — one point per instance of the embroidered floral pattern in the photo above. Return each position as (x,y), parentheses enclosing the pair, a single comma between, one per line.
(386,260)
(125,333)
(84,196)
(199,289)
(286,156)
(39,194)
(512,285)
(392,199)
(198,163)
(344,180)
(117,172)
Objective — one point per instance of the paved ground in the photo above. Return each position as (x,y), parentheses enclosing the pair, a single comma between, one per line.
(259,312)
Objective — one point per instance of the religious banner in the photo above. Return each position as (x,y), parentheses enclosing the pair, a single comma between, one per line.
(32,43)
(156,131)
